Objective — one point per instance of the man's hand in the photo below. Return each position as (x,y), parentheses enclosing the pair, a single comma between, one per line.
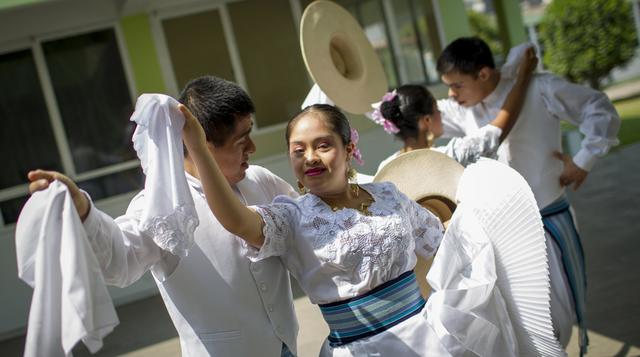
(528,63)
(41,179)
(571,174)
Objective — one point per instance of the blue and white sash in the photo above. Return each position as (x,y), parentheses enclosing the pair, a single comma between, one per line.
(378,310)
(558,222)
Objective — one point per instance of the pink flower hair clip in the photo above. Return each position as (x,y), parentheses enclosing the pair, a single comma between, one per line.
(377,116)
(357,155)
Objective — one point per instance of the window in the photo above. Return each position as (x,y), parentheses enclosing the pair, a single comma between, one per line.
(417,60)
(271,60)
(25,120)
(65,106)
(27,139)
(253,43)
(205,52)
(93,99)
(402,37)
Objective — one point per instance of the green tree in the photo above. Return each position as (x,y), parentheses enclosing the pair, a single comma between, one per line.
(585,39)
(484,26)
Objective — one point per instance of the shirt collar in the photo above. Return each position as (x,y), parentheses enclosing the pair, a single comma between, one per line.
(497,95)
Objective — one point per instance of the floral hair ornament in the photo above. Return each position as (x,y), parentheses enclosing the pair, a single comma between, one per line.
(377,116)
(357,155)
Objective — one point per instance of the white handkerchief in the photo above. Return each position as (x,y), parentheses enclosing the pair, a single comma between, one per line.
(316,96)
(169,216)
(70,300)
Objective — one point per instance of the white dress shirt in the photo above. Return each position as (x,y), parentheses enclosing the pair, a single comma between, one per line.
(530,145)
(221,303)
(536,135)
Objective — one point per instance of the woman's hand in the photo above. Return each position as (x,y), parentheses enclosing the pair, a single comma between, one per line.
(192,133)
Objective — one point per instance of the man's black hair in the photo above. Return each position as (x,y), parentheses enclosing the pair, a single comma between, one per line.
(466,55)
(217,103)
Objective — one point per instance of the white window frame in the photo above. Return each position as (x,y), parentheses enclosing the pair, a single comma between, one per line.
(158,16)
(391,29)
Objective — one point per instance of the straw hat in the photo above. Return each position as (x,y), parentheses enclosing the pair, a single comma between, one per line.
(427,177)
(339,57)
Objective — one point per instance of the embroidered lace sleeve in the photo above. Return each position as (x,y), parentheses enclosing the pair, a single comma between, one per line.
(280,217)
(426,228)
(468,149)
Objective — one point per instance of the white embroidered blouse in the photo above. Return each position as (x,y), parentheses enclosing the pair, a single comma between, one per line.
(343,254)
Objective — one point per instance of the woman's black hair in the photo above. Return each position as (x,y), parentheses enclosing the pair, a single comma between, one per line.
(411,103)
(338,122)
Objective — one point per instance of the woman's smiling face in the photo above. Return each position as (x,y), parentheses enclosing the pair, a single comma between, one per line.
(318,156)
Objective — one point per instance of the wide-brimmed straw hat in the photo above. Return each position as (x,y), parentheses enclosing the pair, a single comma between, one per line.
(340,58)
(426,176)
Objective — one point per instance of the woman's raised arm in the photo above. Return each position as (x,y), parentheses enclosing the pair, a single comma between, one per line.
(230,212)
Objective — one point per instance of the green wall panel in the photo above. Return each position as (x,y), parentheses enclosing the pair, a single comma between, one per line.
(142,54)
(454,20)
(510,23)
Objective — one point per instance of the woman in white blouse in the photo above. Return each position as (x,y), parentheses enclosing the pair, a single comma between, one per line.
(351,247)
(411,113)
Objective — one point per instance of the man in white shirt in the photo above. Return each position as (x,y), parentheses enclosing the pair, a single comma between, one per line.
(221,303)
(476,92)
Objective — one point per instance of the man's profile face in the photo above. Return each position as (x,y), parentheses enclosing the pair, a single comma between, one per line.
(233,156)
(466,89)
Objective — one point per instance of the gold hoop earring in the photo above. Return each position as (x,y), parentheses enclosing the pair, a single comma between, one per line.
(430,138)
(303,190)
(352,175)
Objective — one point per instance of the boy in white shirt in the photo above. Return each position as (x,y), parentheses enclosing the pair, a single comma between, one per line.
(476,92)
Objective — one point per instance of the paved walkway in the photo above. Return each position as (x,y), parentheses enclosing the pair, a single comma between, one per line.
(608,214)
(623,91)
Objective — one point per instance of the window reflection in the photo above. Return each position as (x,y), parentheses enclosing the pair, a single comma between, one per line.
(26,138)
(93,98)
(401,35)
